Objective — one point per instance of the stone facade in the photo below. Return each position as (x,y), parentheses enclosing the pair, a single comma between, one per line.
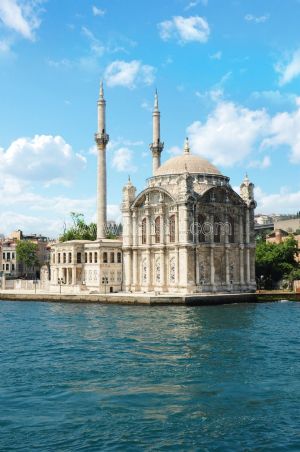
(87,265)
(188,231)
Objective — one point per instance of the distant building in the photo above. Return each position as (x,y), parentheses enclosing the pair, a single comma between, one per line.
(9,264)
(292,225)
(263,219)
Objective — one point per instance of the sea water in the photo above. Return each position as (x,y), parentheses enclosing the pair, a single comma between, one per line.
(92,377)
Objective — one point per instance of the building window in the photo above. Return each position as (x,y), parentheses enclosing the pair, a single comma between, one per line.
(112,258)
(230,230)
(201,228)
(172,270)
(172,228)
(13,267)
(144,271)
(58,258)
(144,231)
(78,258)
(157,270)
(119,258)
(64,258)
(70,258)
(12,255)
(91,258)
(157,230)
(85,257)
(105,258)
(7,267)
(217,229)
(95,258)
(8,256)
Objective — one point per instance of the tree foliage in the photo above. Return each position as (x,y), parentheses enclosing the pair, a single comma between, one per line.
(276,261)
(80,230)
(27,254)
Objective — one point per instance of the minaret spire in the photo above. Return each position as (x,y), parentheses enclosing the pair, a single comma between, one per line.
(156,146)
(186,146)
(101,139)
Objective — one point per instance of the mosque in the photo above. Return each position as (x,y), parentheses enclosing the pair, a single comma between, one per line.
(187,232)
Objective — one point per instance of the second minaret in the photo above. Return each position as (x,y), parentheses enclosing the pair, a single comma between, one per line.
(156,146)
(101,139)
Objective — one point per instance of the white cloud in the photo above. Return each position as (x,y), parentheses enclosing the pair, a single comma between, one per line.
(194,3)
(285,131)
(274,98)
(21,16)
(44,158)
(229,134)
(284,201)
(257,19)
(261,164)
(289,71)
(5,47)
(185,29)
(129,74)
(122,160)
(216,55)
(175,150)
(98,11)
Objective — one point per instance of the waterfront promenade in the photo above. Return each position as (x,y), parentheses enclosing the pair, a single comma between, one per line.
(127,298)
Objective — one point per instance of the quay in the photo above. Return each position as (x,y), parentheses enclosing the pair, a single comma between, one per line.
(130,299)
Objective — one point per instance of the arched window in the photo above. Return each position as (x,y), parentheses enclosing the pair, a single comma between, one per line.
(91,258)
(119,258)
(112,258)
(201,228)
(217,229)
(172,228)
(157,230)
(95,257)
(230,230)
(144,231)
(105,258)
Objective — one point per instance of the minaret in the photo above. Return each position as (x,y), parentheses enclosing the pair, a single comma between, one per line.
(101,139)
(186,148)
(156,146)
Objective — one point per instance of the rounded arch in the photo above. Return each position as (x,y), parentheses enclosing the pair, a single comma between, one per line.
(141,197)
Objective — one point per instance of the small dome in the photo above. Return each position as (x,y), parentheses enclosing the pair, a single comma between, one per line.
(186,163)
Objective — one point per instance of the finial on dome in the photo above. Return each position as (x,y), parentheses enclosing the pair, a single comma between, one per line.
(101,93)
(186,146)
(156,100)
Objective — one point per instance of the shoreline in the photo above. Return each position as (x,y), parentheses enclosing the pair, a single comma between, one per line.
(150,299)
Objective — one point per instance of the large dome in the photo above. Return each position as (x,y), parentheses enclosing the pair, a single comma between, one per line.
(186,163)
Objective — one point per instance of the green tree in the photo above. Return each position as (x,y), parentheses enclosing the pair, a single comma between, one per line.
(27,254)
(79,230)
(276,261)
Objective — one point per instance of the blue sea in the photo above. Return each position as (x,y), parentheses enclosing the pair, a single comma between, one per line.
(94,377)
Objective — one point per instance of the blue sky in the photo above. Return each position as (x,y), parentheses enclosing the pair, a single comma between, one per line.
(227,73)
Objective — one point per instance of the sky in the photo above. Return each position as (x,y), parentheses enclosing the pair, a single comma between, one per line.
(227,75)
